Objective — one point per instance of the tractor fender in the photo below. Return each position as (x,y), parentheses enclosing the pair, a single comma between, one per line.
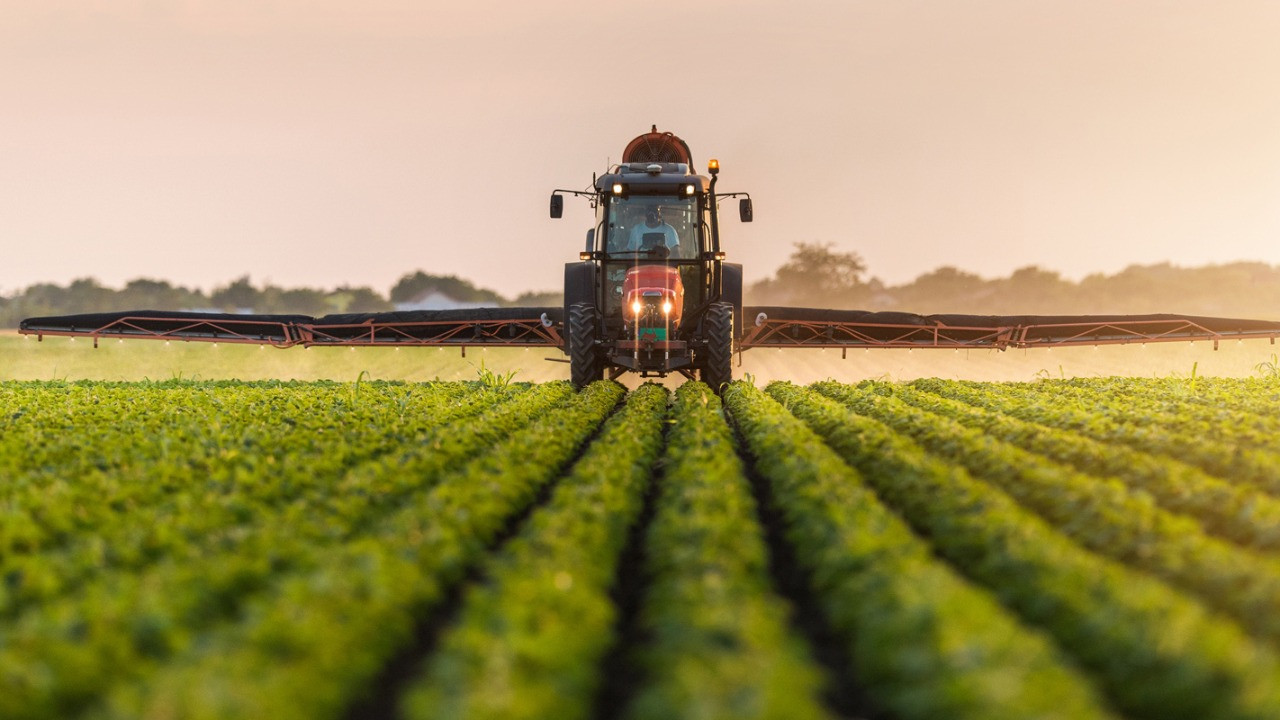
(579,287)
(731,292)
(579,284)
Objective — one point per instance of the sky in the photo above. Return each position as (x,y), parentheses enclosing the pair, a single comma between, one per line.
(329,143)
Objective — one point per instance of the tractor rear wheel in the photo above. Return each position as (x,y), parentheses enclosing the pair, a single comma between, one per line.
(585,365)
(717,362)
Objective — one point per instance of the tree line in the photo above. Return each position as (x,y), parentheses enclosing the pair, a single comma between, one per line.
(87,295)
(815,275)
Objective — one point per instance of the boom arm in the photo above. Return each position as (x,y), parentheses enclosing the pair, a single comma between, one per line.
(513,327)
(776,327)
(811,327)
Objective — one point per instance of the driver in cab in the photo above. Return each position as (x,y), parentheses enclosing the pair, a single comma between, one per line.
(652,233)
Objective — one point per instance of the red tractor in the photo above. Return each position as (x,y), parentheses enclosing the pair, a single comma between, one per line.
(651,292)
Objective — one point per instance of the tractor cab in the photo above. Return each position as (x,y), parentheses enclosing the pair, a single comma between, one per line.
(651,280)
(667,230)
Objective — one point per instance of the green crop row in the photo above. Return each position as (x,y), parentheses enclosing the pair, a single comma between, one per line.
(1251,466)
(1102,515)
(1042,550)
(1157,653)
(179,508)
(315,645)
(60,654)
(717,642)
(174,439)
(204,524)
(1231,511)
(1253,399)
(1231,418)
(926,643)
(531,636)
(137,426)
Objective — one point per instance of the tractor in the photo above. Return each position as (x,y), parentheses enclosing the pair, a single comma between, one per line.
(651,292)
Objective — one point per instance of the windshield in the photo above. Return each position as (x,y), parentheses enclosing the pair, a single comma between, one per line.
(641,223)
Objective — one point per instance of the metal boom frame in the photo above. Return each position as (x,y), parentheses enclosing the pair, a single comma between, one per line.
(846,335)
(524,332)
(795,332)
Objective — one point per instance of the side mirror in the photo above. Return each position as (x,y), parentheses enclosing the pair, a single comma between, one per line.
(557,205)
(591,239)
(744,210)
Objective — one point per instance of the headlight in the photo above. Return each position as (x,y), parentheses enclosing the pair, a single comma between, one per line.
(666,307)
(636,307)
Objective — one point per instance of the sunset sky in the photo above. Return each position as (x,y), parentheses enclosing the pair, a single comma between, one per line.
(327,143)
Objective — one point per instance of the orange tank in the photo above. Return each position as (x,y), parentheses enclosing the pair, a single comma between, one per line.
(659,147)
(653,297)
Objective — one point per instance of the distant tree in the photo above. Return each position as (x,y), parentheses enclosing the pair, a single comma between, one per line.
(88,295)
(818,276)
(292,301)
(945,290)
(43,299)
(1036,290)
(950,280)
(357,300)
(240,294)
(304,301)
(546,298)
(415,285)
(145,294)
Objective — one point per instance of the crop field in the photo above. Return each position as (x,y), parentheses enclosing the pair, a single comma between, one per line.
(1063,548)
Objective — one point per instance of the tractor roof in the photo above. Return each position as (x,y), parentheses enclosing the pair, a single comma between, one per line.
(653,178)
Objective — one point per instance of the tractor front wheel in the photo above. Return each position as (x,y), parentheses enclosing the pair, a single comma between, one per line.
(717,361)
(585,365)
